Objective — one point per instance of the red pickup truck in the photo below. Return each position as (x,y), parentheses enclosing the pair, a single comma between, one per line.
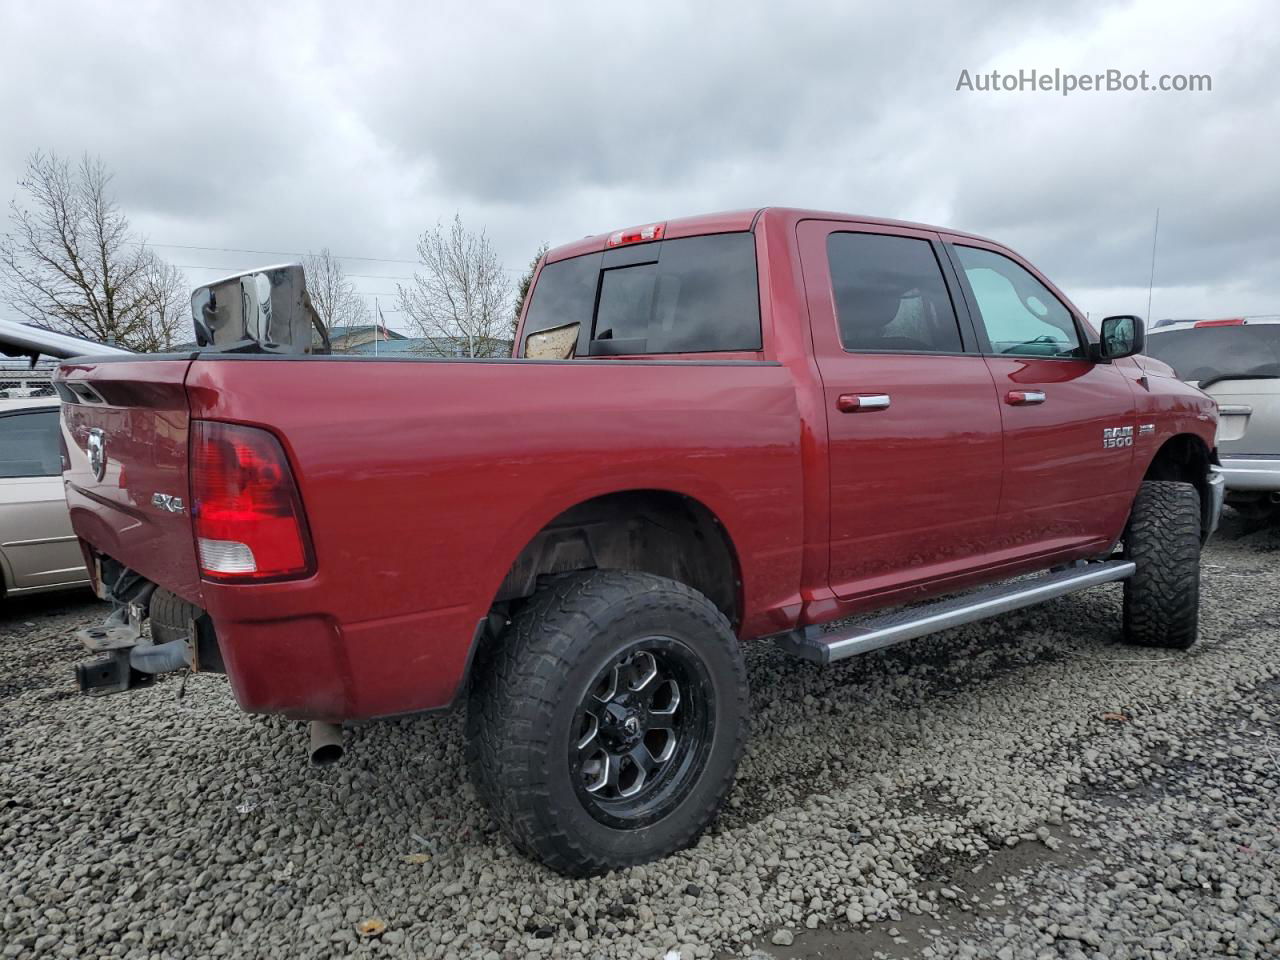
(748,425)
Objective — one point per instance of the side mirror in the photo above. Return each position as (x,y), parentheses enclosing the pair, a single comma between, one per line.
(266,309)
(1122,336)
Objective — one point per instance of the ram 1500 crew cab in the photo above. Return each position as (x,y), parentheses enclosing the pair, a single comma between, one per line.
(711,430)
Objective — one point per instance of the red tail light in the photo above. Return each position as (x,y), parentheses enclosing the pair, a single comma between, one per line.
(245,508)
(1228,322)
(644,234)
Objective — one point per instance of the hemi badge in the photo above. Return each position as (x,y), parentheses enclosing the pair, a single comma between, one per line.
(1146,428)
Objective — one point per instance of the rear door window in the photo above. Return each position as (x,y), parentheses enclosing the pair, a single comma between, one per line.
(29,444)
(690,295)
(890,296)
(1206,355)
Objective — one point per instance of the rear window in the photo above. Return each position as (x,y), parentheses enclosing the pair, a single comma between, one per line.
(29,444)
(691,295)
(1208,354)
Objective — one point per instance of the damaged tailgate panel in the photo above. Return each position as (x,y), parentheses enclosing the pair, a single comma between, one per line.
(125,425)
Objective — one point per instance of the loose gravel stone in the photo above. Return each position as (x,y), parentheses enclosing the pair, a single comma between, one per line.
(1018,788)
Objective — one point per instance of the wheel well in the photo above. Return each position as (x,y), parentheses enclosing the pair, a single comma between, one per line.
(1184,459)
(651,531)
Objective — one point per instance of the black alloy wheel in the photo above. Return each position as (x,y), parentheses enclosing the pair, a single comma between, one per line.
(642,733)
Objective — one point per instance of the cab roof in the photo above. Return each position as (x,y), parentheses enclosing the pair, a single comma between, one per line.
(734,221)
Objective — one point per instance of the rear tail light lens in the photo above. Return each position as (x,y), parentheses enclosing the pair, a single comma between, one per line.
(247,514)
(645,234)
(1227,322)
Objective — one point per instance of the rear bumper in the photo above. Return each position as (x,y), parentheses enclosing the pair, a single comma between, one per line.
(1251,473)
(285,653)
(315,667)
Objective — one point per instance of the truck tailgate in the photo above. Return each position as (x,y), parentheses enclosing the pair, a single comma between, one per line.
(125,425)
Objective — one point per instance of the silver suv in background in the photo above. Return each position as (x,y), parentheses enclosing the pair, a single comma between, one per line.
(38,549)
(1237,362)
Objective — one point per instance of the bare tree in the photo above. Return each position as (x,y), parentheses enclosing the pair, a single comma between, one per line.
(334,296)
(460,301)
(526,281)
(70,262)
(164,303)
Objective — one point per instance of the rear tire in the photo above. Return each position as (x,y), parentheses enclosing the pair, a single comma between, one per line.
(171,617)
(606,725)
(1162,598)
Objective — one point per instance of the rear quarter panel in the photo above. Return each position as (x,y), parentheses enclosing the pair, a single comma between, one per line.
(423,480)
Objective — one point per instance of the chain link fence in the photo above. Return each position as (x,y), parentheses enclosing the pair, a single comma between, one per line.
(16,382)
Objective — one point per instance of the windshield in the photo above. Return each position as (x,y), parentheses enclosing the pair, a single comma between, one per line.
(1206,355)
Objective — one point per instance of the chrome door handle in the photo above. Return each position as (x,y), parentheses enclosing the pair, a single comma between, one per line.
(1024,398)
(862,402)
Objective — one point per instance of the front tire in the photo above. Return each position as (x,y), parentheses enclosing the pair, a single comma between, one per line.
(606,726)
(1162,598)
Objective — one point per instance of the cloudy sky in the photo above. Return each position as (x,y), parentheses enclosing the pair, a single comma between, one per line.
(354,126)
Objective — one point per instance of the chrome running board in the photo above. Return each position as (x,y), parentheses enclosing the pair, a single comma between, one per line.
(907,623)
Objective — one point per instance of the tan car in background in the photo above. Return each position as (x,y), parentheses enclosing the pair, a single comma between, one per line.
(1237,362)
(38,550)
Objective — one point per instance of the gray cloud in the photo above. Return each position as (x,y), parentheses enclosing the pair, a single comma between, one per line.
(295,127)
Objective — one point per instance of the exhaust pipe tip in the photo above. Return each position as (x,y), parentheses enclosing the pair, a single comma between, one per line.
(326,743)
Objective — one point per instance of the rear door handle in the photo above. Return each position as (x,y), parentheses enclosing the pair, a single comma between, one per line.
(862,402)
(1023,398)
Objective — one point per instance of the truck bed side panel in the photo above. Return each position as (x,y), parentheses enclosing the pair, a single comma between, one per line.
(423,480)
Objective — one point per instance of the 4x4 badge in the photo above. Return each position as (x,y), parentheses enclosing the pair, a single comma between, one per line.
(167,501)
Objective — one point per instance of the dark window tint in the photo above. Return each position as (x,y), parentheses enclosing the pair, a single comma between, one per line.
(890,295)
(1206,354)
(701,295)
(29,445)
(1021,317)
(626,305)
(565,293)
(692,295)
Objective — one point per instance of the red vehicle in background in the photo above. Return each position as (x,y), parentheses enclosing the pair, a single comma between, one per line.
(715,429)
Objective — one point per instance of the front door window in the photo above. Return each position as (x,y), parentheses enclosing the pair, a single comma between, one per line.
(1021,317)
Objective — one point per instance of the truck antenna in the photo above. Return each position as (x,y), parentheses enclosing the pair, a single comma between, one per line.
(1151,282)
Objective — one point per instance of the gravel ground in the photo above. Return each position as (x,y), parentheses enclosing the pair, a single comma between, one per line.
(1026,787)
